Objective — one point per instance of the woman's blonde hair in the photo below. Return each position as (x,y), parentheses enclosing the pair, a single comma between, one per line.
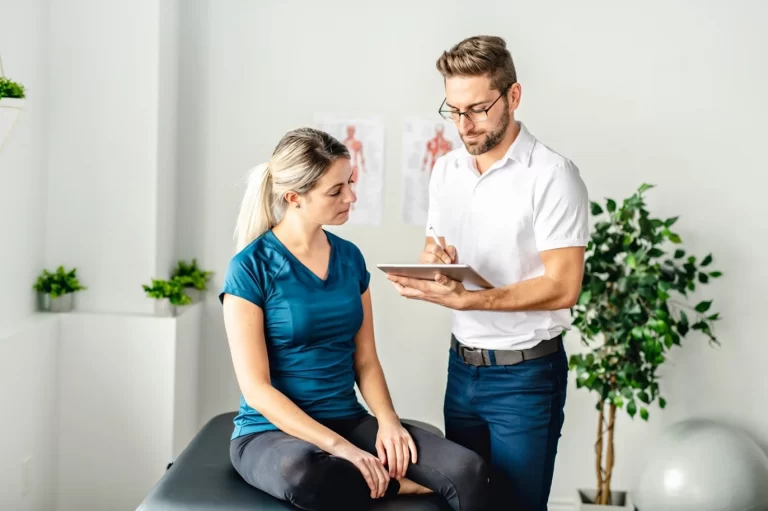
(298,162)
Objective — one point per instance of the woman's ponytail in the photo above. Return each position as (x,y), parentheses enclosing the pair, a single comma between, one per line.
(257,214)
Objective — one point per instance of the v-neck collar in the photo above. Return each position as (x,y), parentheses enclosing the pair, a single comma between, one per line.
(315,278)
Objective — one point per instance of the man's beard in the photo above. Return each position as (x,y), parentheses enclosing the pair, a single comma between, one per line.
(493,138)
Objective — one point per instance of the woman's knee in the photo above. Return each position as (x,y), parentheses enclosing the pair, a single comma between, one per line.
(300,473)
(470,475)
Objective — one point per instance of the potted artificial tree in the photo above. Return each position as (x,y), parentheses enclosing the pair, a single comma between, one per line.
(631,311)
(12,98)
(56,290)
(193,279)
(168,295)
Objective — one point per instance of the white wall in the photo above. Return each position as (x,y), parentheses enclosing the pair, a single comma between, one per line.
(28,407)
(24,50)
(112,154)
(663,93)
(125,409)
(27,343)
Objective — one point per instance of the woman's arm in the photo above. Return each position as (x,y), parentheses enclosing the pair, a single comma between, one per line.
(369,374)
(393,442)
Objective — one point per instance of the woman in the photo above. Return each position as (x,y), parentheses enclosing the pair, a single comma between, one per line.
(297,311)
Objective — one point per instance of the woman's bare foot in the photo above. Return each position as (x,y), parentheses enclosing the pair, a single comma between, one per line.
(408,487)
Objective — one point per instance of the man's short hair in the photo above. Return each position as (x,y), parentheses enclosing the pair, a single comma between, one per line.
(480,56)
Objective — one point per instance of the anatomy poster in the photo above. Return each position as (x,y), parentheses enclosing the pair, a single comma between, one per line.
(424,141)
(364,138)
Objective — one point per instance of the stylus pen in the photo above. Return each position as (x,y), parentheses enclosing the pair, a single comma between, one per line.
(434,237)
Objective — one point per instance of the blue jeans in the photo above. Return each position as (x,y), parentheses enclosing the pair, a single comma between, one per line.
(512,416)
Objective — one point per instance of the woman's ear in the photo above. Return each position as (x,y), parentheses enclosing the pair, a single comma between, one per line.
(292,199)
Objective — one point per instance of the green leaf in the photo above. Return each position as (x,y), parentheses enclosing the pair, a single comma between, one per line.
(703,278)
(644,187)
(644,414)
(674,238)
(610,205)
(679,253)
(707,260)
(714,317)
(631,261)
(631,408)
(704,306)
(643,396)
(715,274)
(662,403)
(585,297)
(671,221)
(596,208)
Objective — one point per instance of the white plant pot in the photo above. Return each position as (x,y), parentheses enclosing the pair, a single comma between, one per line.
(10,109)
(165,308)
(620,501)
(63,303)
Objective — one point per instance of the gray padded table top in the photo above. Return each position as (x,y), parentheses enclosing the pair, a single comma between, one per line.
(203,479)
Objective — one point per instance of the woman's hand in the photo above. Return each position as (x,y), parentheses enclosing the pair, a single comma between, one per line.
(395,447)
(369,465)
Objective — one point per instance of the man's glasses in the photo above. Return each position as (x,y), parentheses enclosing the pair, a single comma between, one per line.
(473,115)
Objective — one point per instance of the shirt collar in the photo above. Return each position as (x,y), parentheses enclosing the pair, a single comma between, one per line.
(520,150)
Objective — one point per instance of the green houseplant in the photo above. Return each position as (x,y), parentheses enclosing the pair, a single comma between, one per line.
(168,295)
(56,290)
(11,89)
(12,98)
(633,309)
(192,278)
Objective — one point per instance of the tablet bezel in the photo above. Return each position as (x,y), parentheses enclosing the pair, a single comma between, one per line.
(460,272)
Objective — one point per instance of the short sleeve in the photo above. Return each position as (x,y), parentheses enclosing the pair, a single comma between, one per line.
(241,279)
(362,271)
(561,209)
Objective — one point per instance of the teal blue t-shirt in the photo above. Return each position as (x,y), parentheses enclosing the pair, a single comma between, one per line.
(310,325)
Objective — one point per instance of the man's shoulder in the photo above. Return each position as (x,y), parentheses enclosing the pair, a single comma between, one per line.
(545,159)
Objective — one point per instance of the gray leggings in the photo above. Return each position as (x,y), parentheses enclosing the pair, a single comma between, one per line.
(309,478)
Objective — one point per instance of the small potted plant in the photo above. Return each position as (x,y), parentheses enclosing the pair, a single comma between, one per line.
(12,98)
(632,311)
(168,295)
(56,290)
(193,279)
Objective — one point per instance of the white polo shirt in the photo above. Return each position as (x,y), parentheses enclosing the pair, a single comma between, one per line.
(531,200)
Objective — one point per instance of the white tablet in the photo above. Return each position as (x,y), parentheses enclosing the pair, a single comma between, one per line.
(460,272)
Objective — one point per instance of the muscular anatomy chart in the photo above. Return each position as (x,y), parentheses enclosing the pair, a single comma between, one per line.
(364,139)
(424,141)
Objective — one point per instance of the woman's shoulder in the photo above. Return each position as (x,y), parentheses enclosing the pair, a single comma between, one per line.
(344,247)
(259,256)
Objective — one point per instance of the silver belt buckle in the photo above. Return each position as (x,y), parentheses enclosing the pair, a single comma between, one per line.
(472,356)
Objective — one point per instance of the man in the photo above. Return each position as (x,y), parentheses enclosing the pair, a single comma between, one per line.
(517,212)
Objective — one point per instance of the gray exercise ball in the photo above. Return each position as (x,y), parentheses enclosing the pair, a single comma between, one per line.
(700,465)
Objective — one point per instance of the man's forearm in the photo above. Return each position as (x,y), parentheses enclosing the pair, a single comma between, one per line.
(540,293)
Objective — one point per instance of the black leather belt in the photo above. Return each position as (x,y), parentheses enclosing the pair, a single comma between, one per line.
(482,357)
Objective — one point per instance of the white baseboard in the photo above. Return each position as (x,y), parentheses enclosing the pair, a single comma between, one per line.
(562,504)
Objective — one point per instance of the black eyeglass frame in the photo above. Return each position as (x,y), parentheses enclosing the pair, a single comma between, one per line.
(451,113)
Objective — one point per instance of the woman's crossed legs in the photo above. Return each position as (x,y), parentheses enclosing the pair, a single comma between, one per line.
(291,469)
